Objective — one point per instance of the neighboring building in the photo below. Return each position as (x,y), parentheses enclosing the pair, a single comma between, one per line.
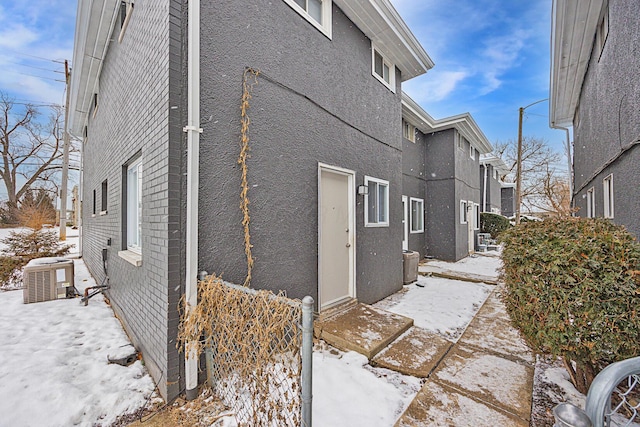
(441,168)
(492,169)
(595,88)
(508,199)
(326,117)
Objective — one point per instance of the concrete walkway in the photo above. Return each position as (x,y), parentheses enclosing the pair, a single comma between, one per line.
(484,379)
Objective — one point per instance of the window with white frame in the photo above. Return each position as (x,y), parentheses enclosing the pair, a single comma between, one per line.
(476,216)
(591,203)
(463,211)
(472,152)
(376,213)
(317,12)
(382,69)
(126,9)
(459,141)
(408,131)
(607,193)
(134,205)
(416,215)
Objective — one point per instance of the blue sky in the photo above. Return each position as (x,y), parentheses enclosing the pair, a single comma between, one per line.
(491,56)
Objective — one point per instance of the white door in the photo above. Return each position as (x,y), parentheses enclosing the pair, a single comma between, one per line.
(470,226)
(405,223)
(336,236)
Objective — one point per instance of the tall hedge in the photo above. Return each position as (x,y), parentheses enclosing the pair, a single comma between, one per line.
(493,223)
(573,288)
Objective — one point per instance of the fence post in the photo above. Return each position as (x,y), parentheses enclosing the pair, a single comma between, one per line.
(307,359)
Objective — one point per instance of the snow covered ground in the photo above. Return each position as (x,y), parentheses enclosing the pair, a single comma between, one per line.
(53,362)
(54,370)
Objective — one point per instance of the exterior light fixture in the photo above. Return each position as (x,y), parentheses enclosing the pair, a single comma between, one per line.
(363,189)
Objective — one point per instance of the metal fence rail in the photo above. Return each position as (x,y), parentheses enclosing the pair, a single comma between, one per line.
(260,362)
(613,399)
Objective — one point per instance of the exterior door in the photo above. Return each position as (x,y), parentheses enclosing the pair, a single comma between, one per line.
(336,237)
(405,223)
(470,226)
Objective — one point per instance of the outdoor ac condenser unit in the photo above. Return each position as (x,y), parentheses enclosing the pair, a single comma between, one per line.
(46,279)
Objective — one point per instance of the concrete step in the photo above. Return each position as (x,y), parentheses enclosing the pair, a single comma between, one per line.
(417,352)
(362,328)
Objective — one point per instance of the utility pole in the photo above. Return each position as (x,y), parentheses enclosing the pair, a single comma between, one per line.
(519,160)
(519,167)
(65,159)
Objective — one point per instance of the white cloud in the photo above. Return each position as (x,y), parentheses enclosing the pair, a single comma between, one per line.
(499,56)
(17,37)
(435,85)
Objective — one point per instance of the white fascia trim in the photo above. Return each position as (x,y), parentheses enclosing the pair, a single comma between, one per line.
(573,28)
(95,21)
(463,123)
(382,24)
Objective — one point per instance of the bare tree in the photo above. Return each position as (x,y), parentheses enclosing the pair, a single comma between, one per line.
(553,194)
(31,149)
(541,181)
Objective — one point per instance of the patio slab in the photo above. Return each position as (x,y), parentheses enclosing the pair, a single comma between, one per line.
(491,329)
(439,405)
(490,378)
(416,352)
(362,328)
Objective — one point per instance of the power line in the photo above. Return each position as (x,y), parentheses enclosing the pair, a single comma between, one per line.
(57,61)
(42,77)
(34,67)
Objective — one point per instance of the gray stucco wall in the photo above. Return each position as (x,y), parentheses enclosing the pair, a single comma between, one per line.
(609,119)
(507,201)
(315,101)
(414,184)
(140,82)
(493,193)
(467,184)
(440,206)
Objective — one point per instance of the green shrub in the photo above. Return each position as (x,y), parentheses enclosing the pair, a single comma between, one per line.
(493,223)
(23,246)
(573,287)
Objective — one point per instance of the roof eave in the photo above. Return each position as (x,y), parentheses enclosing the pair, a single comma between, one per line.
(94,24)
(463,123)
(573,28)
(379,20)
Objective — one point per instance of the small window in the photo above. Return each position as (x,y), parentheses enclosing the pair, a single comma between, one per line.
(376,213)
(94,204)
(104,196)
(602,31)
(417,215)
(591,203)
(472,152)
(383,70)
(608,196)
(408,131)
(476,216)
(459,141)
(463,211)
(94,104)
(495,174)
(126,9)
(134,205)
(317,12)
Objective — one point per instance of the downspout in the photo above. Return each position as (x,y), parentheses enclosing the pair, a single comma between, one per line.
(484,190)
(193,131)
(569,162)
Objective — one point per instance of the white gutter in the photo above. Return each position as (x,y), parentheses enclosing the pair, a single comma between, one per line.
(484,196)
(193,161)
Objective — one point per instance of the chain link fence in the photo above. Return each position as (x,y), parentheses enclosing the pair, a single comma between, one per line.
(259,356)
(625,403)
